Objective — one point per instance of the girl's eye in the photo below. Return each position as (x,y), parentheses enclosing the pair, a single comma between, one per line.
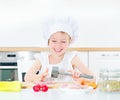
(54,41)
(63,41)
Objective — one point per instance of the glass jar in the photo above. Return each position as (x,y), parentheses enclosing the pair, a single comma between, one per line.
(109,80)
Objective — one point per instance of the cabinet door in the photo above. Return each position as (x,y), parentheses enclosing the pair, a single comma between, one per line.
(103,60)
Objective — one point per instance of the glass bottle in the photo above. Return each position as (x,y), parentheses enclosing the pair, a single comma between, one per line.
(109,80)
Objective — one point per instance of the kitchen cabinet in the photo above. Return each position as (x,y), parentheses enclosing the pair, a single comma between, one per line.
(104,60)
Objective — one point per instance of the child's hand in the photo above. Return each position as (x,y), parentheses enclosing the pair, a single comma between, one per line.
(44,75)
(41,77)
(75,74)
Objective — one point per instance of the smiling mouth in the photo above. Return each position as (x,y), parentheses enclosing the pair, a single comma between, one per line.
(57,50)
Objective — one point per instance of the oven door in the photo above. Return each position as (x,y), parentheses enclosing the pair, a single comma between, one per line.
(8,74)
(8,71)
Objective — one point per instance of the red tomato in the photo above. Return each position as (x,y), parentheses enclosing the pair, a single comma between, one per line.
(37,88)
(44,88)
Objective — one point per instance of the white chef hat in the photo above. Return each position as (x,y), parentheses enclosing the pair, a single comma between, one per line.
(65,24)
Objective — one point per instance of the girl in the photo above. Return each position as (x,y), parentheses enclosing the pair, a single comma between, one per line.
(59,38)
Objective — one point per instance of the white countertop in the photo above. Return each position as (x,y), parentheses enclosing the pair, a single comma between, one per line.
(57,94)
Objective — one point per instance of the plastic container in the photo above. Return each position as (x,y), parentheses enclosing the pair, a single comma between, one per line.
(10,86)
(109,80)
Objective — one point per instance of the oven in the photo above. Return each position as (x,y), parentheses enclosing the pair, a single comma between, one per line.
(8,66)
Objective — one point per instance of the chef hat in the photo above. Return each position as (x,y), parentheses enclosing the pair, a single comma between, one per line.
(65,24)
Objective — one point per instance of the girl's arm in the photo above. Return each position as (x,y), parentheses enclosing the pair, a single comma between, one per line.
(31,75)
(78,64)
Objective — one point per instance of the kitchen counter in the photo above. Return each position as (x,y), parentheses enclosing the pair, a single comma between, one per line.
(58,94)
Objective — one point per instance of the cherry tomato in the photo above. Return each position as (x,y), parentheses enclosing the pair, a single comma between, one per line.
(44,88)
(37,87)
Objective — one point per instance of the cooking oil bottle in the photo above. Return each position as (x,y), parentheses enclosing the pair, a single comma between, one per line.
(109,80)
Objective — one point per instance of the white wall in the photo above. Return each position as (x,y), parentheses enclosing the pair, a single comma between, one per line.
(99,21)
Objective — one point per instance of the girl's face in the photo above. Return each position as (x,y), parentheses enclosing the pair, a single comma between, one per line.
(59,42)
